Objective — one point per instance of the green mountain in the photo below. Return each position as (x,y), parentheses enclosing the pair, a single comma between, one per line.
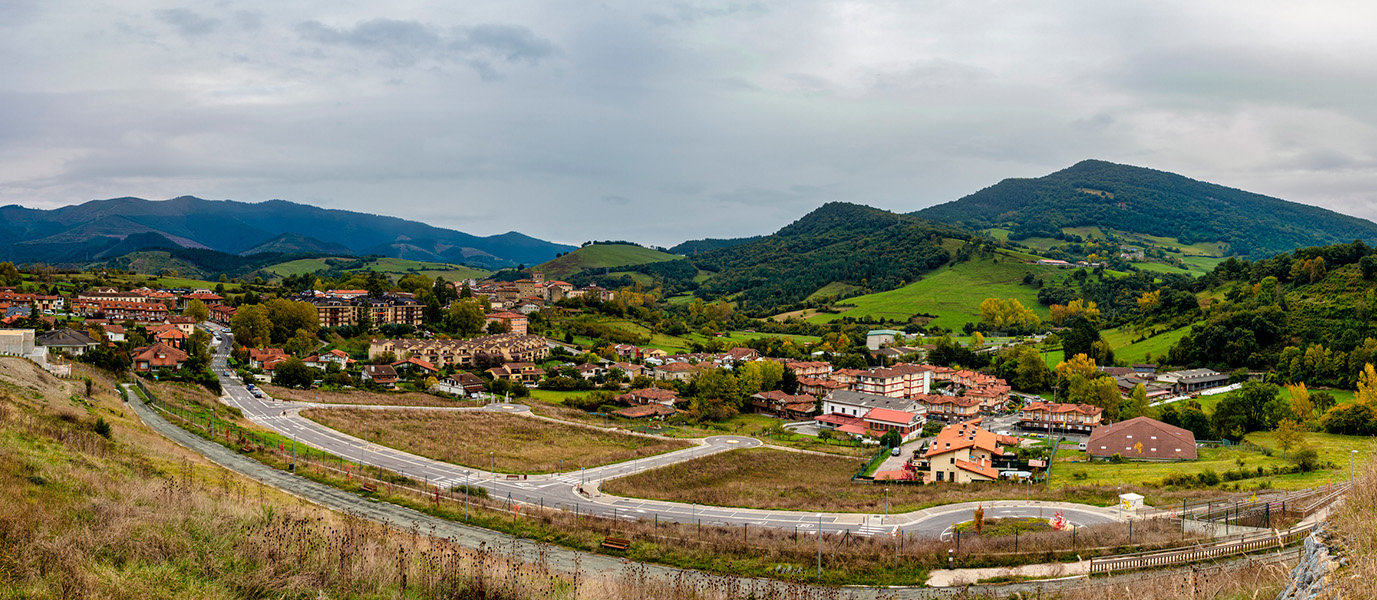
(86,232)
(837,243)
(692,247)
(295,243)
(601,256)
(1096,193)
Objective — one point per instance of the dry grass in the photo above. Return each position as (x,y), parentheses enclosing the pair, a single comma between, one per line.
(1352,525)
(362,397)
(140,517)
(519,444)
(774,479)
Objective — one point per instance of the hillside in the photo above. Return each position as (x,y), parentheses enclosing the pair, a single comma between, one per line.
(837,243)
(395,267)
(698,246)
(952,293)
(295,243)
(84,232)
(1137,200)
(600,256)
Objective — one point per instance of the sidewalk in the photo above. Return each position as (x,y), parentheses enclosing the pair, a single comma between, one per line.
(957,577)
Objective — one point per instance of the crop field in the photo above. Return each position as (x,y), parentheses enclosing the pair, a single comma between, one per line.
(507,443)
(953,293)
(361,397)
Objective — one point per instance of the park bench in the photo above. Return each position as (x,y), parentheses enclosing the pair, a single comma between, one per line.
(617,544)
(370,488)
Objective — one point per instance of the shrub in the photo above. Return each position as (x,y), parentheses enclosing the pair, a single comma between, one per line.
(1080,475)
(1306,459)
(102,427)
(1117,459)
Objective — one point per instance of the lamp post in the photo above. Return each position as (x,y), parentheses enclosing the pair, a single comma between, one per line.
(886,502)
(1350,466)
(492,465)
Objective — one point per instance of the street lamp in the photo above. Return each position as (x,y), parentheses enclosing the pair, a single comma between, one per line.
(492,465)
(886,502)
(1350,465)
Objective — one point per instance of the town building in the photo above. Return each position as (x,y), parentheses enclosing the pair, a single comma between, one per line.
(221,314)
(879,338)
(383,375)
(1064,417)
(462,383)
(1192,380)
(521,372)
(516,322)
(158,356)
(71,341)
(777,403)
(650,396)
(950,409)
(1142,438)
(501,348)
(675,371)
(963,453)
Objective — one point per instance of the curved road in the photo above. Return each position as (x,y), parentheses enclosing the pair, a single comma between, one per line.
(577,490)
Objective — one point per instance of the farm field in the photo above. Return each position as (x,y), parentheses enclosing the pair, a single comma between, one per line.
(361,397)
(952,292)
(517,444)
(777,479)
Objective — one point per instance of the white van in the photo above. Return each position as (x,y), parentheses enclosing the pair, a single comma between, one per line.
(1081,445)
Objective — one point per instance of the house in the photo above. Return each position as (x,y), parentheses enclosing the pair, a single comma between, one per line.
(1142,438)
(819,387)
(630,369)
(114,333)
(675,371)
(951,409)
(221,314)
(516,322)
(808,368)
(258,355)
(859,413)
(185,324)
(650,396)
(645,411)
(591,371)
(741,355)
(48,304)
(963,453)
(879,338)
(169,334)
(856,404)
(1049,262)
(414,364)
(462,383)
(157,356)
(383,375)
(71,341)
(1145,368)
(900,381)
(777,403)
(1193,380)
(522,372)
(1072,418)
(506,347)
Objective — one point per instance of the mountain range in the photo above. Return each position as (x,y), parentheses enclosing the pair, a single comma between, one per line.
(104,229)
(1146,201)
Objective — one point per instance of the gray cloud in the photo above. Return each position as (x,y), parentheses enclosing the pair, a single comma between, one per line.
(669,121)
(187,22)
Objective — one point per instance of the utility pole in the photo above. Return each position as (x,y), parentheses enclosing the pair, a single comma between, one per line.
(819,547)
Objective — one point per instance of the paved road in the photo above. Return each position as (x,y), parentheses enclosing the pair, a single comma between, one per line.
(577,489)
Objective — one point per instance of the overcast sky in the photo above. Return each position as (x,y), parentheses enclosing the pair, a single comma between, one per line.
(659,122)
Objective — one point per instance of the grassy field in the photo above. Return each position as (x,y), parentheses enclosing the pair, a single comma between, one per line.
(1334,449)
(361,397)
(517,444)
(835,289)
(599,256)
(392,266)
(776,479)
(1127,348)
(953,293)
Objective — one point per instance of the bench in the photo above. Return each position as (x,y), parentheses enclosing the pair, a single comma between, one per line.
(617,544)
(370,488)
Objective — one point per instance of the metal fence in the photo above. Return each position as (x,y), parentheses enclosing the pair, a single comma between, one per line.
(1147,560)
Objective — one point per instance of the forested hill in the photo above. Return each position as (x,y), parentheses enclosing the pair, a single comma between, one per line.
(1147,201)
(837,243)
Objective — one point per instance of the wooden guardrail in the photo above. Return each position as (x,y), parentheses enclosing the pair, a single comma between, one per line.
(1146,560)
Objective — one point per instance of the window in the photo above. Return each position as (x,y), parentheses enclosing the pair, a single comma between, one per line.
(953,460)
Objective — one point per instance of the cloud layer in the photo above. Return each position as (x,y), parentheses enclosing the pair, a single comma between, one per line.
(667,121)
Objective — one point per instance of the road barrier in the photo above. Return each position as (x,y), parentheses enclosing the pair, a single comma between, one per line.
(1160,558)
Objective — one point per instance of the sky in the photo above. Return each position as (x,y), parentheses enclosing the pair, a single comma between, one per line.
(659,122)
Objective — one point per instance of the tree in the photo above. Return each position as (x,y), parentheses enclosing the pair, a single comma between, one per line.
(1031,374)
(1149,301)
(196,310)
(251,327)
(788,382)
(1301,403)
(891,439)
(301,344)
(717,384)
(9,276)
(499,326)
(293,373)
(1308,459)
(465,318)
(365,322)
(1136,405)
(977,340)
(1254,407)
(290,316)
(1007,314)
(826,435)
(1367,386)
(1288,435)
(1075,308)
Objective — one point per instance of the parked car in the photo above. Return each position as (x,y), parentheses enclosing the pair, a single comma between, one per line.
(895,451)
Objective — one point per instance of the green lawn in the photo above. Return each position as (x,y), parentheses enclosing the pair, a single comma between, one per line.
(953,293)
